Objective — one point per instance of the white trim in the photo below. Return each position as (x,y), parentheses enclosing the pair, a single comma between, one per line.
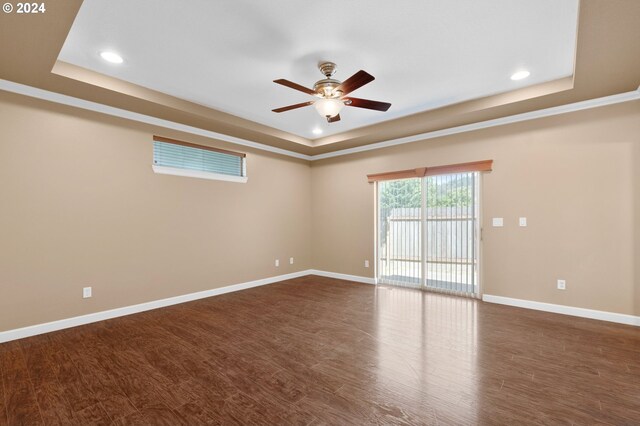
(20,333)
(532,115)
(33,92)
(565,310)
(356,278)
(197,174)
(479,247)
(376,216)
(58,98)
(33,330)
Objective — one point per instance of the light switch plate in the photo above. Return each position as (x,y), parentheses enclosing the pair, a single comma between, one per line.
(523,221)
(86,292)
(498,222)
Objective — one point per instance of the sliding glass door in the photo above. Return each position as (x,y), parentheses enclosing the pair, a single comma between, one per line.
(428,231)
(400,232)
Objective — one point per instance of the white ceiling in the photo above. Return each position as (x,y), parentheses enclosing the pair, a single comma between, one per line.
(424,53)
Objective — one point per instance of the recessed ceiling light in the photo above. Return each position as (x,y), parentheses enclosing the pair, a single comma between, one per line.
(317,131)
(112,57)
(520,75)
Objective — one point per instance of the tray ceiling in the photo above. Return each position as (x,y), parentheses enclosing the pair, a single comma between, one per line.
(424,55)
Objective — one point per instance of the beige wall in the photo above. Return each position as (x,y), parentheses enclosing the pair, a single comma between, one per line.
(575,177)
(81,207)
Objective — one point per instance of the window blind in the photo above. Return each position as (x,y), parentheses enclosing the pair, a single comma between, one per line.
(170,155)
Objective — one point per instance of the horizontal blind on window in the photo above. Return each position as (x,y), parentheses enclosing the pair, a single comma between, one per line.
(190,158)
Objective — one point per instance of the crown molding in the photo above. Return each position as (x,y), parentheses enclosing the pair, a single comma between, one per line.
(526,116)
(34,92)
(93,78)
(58,98)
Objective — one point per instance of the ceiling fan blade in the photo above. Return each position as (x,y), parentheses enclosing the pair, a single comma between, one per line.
(354,82)
(333,119)
(295,86)
(366,103)
(290,107)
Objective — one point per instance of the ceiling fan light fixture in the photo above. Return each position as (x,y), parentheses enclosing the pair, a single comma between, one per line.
(328,107)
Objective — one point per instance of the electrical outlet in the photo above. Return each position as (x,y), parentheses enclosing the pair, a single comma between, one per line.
(523,221)
(366,263)
(291,261)
(86,292)
(497,222)
(277,262)
(562,285)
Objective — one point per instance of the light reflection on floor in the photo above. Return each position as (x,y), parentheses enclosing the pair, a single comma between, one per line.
(429,340)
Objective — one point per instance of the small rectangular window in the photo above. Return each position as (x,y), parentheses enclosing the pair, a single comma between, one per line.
(179,158)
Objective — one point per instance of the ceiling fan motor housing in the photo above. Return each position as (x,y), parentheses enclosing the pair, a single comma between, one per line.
(326,87)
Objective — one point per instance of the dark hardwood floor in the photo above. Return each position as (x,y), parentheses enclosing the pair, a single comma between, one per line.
(322,351)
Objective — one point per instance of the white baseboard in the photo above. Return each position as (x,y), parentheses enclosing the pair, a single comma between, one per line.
(19,333)
(565,310)
(356,278)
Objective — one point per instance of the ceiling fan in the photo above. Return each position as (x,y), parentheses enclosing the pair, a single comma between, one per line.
(332,93)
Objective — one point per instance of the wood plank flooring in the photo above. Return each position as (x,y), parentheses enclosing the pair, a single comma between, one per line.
(316,350)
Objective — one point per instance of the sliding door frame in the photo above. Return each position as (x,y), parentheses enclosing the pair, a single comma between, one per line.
(376,231)
(477,229)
